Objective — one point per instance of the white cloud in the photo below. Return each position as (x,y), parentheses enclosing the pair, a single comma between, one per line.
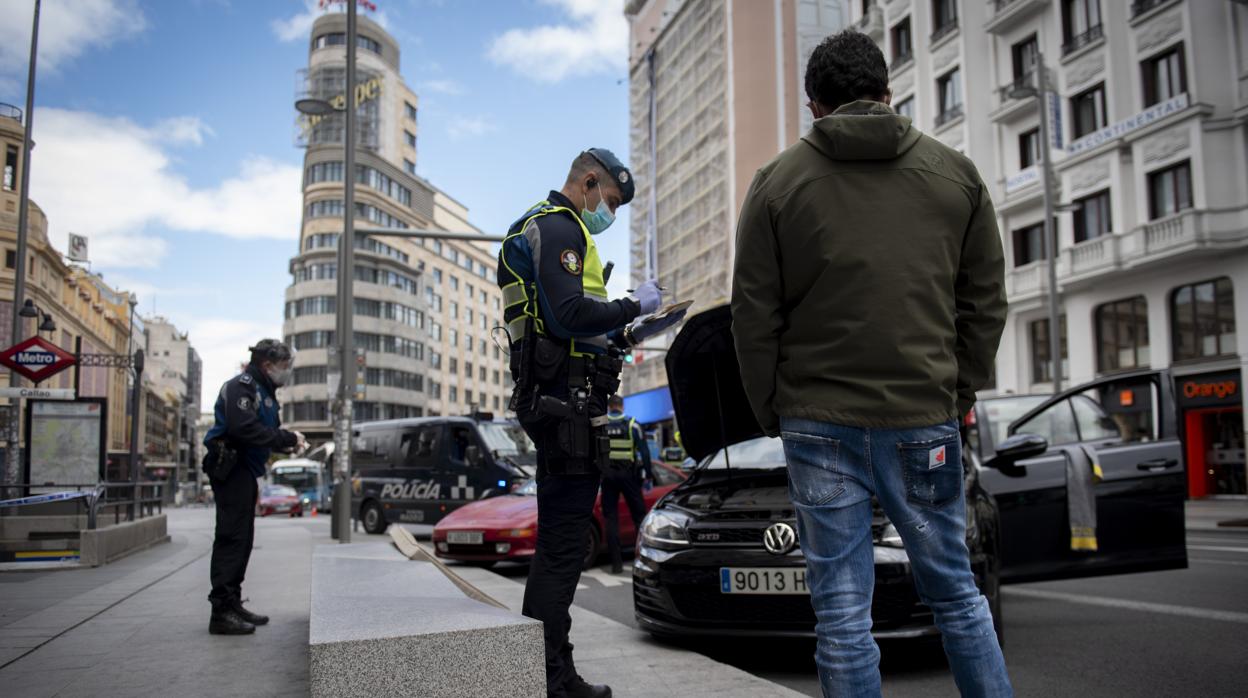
(470,127)
(108,178)
(594,41)
(299,26)
(446,87)
(67,29)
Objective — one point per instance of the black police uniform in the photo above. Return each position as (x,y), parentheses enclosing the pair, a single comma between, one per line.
(248,423)
(564,373)
(623,479)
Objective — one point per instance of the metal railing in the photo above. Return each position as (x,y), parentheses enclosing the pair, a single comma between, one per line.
(8,111)
(1078,41)
(1139,7)
(1027,79)
(139,499)
(946,30)
(900,61)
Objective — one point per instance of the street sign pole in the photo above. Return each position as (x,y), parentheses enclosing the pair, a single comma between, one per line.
(341,515)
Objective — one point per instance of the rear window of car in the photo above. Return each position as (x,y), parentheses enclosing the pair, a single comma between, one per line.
(764,453)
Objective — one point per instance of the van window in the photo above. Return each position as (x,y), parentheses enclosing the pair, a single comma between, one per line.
(371,449)
(461,437)
(418,447)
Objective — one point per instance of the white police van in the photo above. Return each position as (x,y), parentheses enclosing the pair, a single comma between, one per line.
(419,470)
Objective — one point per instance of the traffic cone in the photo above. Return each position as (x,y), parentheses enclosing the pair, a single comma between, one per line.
(313,511)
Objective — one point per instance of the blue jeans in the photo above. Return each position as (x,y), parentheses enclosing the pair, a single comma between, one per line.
(917,476)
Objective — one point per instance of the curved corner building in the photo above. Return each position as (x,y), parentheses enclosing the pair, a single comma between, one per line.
(424,309)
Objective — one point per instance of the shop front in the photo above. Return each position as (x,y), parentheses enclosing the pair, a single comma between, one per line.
(1211,411)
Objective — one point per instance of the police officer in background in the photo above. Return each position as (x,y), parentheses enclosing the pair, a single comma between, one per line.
(623,477)
(239,444)
(567,343)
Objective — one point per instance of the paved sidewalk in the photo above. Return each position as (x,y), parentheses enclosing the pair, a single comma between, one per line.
(138,627)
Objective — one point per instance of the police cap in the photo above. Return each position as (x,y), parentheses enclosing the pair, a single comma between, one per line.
(618,172)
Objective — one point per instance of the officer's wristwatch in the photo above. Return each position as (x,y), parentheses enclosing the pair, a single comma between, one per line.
(628,336)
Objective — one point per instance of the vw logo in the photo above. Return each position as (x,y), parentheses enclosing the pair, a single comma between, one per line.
(779,538)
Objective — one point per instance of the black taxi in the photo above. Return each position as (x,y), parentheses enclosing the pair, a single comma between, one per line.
(418,470)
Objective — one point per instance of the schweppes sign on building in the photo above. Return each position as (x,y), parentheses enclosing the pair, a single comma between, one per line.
(364,92)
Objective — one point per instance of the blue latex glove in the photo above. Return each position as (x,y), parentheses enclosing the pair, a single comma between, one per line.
(641,332)
(649,296)
(647,484)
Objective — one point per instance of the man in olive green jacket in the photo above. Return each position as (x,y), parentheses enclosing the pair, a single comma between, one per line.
(868,301)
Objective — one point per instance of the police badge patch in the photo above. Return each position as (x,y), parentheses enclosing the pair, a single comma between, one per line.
(244,403)
(571,262)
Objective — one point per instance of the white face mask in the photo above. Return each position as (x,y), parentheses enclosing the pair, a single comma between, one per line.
(279,376)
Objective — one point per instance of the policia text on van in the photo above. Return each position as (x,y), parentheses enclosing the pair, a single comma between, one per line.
(567,342)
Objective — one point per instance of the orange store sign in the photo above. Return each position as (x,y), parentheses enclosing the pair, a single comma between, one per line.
(1211,389)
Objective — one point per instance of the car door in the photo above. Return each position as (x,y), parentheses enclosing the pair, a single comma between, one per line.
(463,474)
(417,454)
(1127,422)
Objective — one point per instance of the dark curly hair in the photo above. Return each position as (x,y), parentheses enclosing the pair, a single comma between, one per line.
(845,67)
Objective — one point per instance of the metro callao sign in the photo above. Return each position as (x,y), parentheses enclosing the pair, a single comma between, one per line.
(37,359)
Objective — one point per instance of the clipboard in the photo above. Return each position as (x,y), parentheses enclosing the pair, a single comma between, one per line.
(666,311)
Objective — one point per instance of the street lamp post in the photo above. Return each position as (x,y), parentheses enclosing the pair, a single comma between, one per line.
(12,466)
(340,526)
(1040,93)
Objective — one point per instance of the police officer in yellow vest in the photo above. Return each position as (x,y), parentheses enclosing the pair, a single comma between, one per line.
(567,345)
(623,476)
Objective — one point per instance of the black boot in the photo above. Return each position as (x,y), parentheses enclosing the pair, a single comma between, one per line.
(226,621)
(579,688)
(253,618)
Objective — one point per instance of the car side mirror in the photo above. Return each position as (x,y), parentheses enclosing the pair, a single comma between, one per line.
(472,455)
(1015,448)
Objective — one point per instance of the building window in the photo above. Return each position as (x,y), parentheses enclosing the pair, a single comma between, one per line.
(1204,320)
(949,91)
(903,42)
(1029,244)
(452,393)
(453,366)
(1170,190)
(1088,110)
(409,167)
(905,108)
(1025,54)
(1041,360)
(1092,218)
(340,39)
(468,369)
(10,167)
(10,259)
(944,17)
(409,138)
(1122,334)
(1028,148)
(1081,24)
(1165,76)
(409,110)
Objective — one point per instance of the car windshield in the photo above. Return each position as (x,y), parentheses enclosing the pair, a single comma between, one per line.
(278,491)
(1002,411)
(763,453)
(506,438)
(528,489)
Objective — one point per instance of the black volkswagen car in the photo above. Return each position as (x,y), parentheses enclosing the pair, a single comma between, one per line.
(719,554)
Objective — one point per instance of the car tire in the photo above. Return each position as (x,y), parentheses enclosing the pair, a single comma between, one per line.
(591,548)
(372,518)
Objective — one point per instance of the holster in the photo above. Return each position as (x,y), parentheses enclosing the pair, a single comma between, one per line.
(220,459)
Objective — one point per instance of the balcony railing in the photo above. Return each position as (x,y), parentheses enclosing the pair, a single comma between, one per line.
(948,115)
(8,111)
(901,61)
(1080,40)
(942,32)
(1027,79)
(1139,7)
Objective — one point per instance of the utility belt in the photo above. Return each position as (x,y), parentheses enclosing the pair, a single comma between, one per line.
(220,459)
(560,400)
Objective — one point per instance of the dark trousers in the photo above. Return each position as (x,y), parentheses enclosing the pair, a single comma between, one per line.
(236,531)
(565,505)
(614,484)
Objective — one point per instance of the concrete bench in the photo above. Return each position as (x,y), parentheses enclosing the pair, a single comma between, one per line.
(384,624)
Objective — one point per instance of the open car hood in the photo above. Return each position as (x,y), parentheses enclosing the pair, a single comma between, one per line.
(705,383)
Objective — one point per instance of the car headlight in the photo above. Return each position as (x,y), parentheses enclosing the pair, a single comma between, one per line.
(665,529)
(890,537)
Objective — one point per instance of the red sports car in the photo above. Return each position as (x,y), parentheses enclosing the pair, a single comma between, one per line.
(279,499)
(505,527)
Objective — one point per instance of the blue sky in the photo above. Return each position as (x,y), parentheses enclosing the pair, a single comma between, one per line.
(165,133)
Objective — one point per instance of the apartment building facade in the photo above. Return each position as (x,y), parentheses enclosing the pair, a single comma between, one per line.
(424,310)
(1147,108)
(716,89)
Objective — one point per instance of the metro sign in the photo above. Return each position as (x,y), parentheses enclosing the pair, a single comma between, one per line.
(37,359)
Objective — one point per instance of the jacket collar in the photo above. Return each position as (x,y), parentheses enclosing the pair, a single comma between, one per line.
(261,378)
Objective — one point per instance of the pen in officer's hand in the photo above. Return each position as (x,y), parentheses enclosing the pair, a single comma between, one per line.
(633,290)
